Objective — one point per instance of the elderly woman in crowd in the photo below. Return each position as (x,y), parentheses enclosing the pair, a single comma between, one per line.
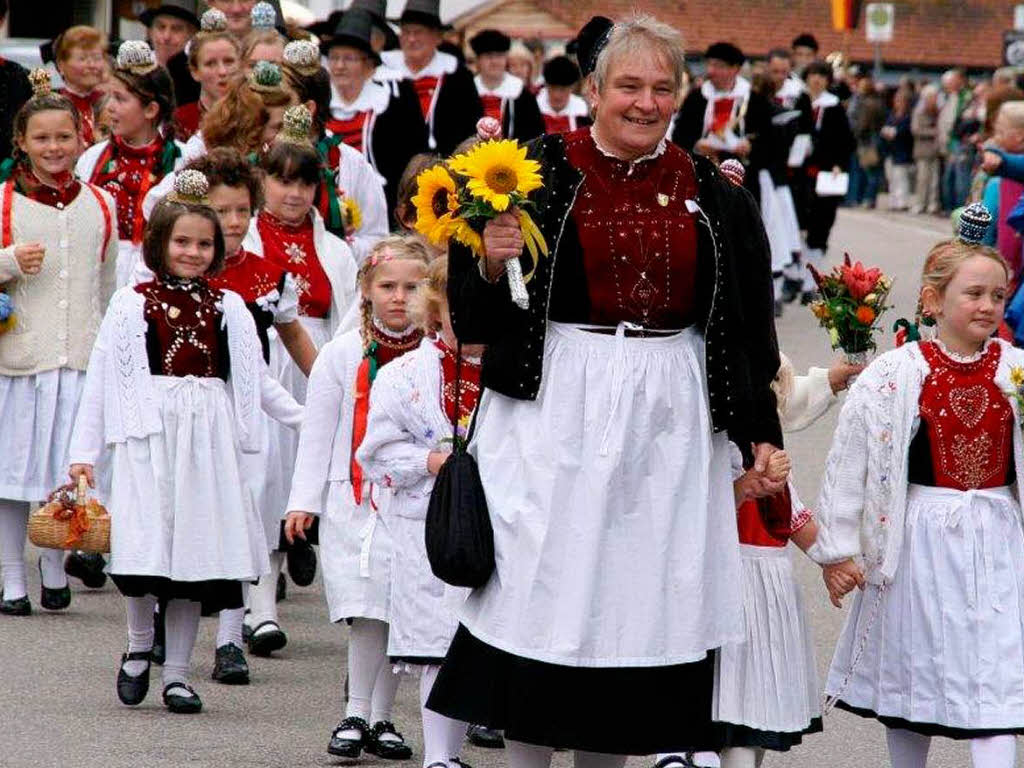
(79,54)
(603,429)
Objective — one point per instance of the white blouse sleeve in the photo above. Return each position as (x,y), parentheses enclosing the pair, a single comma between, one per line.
(88,436)
(390,455)
(361,182)
(278,403)
(286,308)
(811,397)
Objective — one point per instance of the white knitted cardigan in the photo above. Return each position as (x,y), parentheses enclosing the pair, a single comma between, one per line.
(120,402)
(864,490)
(59,309)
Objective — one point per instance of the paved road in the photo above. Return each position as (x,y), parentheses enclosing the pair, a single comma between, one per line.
(57,702)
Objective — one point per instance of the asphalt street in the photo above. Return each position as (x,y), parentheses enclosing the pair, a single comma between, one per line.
(57,670)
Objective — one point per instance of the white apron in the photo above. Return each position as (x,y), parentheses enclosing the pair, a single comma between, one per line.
(769,682)
(612,507)
(177,505)
(947,642)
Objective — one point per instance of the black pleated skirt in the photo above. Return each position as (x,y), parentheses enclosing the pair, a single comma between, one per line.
(775,741)
(214,595)
(930,729)
(625,711)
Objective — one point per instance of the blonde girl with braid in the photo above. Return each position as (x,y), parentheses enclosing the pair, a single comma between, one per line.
(355,543)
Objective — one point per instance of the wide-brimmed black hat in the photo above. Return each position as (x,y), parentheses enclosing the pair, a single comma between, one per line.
(561,70)
(179,9)
(355,31)
(591,39)
(490,41)
(726,52)
(425,12)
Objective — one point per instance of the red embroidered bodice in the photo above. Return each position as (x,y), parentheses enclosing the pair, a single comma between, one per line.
(293,249)
(84,105)
(966,420)
(391,346)
(557,123)
(425,87)
(184,335)
(351,130)
(28,184)
(492,106)
(254,279)
(469,385)
(128,173)
(639,241)
(187,118)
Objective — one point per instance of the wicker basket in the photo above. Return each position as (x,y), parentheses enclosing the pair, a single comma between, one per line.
(70,520)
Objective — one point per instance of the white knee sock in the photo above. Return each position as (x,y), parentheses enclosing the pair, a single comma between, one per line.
(229,627)
(367,653)
(523,755)
(739,757)
(442,736)
(13,524)
(182,625)
(263,594)
(907,749)
(385,688)
(994,752)
(139,611)
(583,759)
(51,567)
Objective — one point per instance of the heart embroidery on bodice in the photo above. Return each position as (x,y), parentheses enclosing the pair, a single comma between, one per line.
(969,404)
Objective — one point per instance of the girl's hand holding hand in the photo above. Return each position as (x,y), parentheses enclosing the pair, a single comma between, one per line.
(841,578)
(29,257)
(77,470)
(778,468)
(841,373)
(436,460)
(296,524)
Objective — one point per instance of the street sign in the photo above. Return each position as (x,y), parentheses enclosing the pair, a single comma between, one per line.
(1018,17)
(880,19)
(1013,48)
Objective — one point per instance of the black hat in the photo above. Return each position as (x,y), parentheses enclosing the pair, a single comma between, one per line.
(590,41)
(726,52)
(806,40)
(561,70)
(490,41)
(355,31)
(378,10)
(325,27)
(425,12)
(179,9)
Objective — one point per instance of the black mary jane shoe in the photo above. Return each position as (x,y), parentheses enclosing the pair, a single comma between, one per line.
(342,746)
(18,607)
(229,665)
(394,748)
(301,559)
(182,705)
(265,643)
(86,567)
(458,762)
(53,599)
(281,589)
(159,652)
(132,690)
(484,737)
(676,761)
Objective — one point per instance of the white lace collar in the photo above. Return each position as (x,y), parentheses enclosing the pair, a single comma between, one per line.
(956,357)
(509,88)
(657,152)
(384,330)
(374,97)
(393,66)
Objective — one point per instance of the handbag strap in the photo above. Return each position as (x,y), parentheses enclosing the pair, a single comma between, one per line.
(458,405)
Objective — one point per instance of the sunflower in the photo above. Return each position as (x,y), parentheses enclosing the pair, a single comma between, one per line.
(352,213)
(468,236)
(498,173)
(436,203)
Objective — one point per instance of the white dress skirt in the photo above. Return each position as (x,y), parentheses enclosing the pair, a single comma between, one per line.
(780,224)
(37,415)
(278,462)
(177,506)
(941,648)
(769,682)
(357,574)
(612,506)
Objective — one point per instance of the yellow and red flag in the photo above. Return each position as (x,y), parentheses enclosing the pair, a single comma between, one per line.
(845,14)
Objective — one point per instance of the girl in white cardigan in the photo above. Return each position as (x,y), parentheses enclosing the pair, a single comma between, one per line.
(412,407)
(289,232)
(922,485)
(173,392)
(355,541)
(58,251)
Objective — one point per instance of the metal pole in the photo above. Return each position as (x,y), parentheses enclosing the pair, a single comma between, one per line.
(878,60)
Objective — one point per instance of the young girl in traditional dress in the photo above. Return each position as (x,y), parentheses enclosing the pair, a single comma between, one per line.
(355,542)
(58,249)
(289,232)
(922,485)
(412,408)
(141,151)
(174,389)
(214,57)
(347,177)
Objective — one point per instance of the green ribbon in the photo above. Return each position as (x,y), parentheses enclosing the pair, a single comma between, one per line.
(7,169)
(335,221)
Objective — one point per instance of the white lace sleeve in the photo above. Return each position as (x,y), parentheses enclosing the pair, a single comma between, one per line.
(324,403)
(390,455)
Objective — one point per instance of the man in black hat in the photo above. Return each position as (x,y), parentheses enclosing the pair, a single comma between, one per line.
(724,118)
(562,110)
(504,96)
(169,27)
(445,89)
(15,90)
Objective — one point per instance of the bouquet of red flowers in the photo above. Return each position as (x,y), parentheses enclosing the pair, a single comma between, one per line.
(853,297)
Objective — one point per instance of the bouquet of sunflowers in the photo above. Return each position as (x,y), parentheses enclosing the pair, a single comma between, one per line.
(457,198)
(853,297)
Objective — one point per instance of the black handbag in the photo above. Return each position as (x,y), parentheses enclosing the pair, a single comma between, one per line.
(459,537)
